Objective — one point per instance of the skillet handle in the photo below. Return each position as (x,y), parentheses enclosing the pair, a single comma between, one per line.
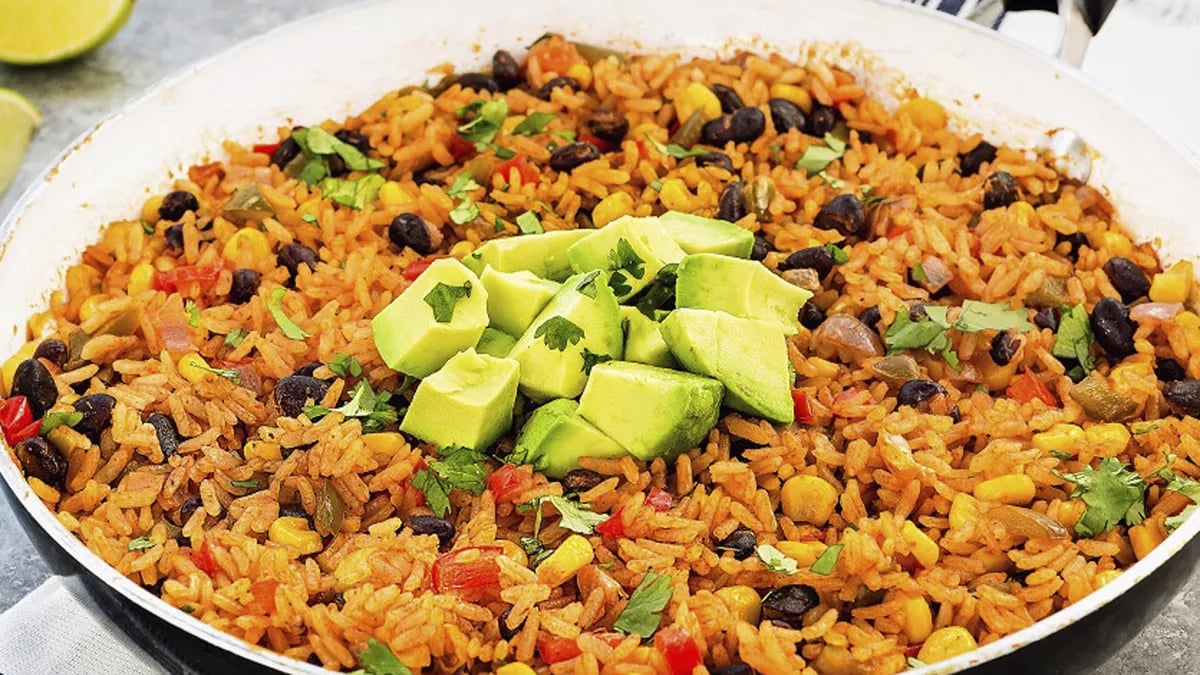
(1081,19)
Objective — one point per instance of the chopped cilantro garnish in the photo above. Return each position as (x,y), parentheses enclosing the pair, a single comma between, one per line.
(286,325)
(1174,522)
(1059,454)
(442,298)
(587,285)
(591,360)
(825,563)
(625,263)
(775,560)
(345,365)
(534,123)
(1074,338)
(249,484)
(371,409)
(840,257)
(193,313)
(187,609)
(309,218)
(458,469)
(656,185)
(576,516)
(60,418)
(535,550)
(235,337)
(565,134)
(497,225)
(461,184)
(230,374)
(146,227)
(317,141)
(486,123)
(1112,493)
(141,543)
(557,332)
(931,332)
(502,153)
(817,157)
(353,193)
(465,212)
(674,150)
(835,183)
(918,273)
(378,659)
(644,611)
(529,224)
(914,663)
(1146,429)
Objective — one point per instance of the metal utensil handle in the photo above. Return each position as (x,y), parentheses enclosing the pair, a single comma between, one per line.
(1080,19)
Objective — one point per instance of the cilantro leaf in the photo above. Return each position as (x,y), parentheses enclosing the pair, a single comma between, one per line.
(250,484)
(461,184)
(644,611)
(313,170)
(285,323)
(835,183)
(310,218)
(557,332)
(918,273)
(437,492)
(146,227)
(840,257)
(931,332)
(502,152)
(675,150)
(816,157)
(1074,338)
(458,469)
(904,333)
(353,193)
(230,374)
(591,360)
(535,550)
(235,337)
(465,212)
(60,418)
(576,516)
(529,224)
(371,409)
(587,285)
(317,141)
(533,123)
(193,313)
(1112,494)
(978,316)
(625,263)
(775,560)
(141,543)
(1173,523)
(1146,429)
(486,123)
(825,563)
(656,185)
(443,298)
(345,365)
(378,659)
(1185,486)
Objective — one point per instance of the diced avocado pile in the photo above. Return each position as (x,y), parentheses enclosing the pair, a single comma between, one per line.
(587,315)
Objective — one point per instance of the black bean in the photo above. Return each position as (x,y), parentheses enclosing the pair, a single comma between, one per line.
(843,213)
(308,369)
(999,190)
(181,515)
(505,70)
(177,203)
(53,350)
(478,82)
(821,121)
(761,248)
(786,115)
(1169,370)
(1184,395)
(293,510)
(741,542)
(244,285)
(741,126)
(337,165)
(174,236)
(731,206)
(870,317)
(789,604)
(359,141)
(502,623)
(609,125)
(292,256)
(293,392)
(411,230)
(42,460)
(1113,328)
(1075,242)
(730,101)
(715,159)
(167,433)
(567,82)
(970,161)
(1129,279)
(733,669)
(811,315)
(581,480)
(1004,346)
(440,527)
(97,412)
(33,381)
(956,414)
(572,155)
(1046,317)
(916,311)
(915,392)
(288,150)
(327,597)
(817,258)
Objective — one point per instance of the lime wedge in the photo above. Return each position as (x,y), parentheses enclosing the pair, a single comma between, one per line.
(18,119)
(45,31)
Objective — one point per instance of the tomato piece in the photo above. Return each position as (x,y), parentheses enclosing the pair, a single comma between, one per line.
(613,527)
(610,639)
(641,146)
(658,500)
(264,594)
(600,143)
(554,649)
(180,277)
(415,268)
(1028,387)
(509,481)
(460,147)
(266,148)
(15,412)
(202,558)
(17,434)
(555,55)
(897,231)
(679,649)
(802,406)
(528,173)
(471,573)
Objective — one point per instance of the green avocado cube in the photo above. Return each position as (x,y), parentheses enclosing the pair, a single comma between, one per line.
(652,412)
(748,356)
(697,234)
(632,249)
(580,326)
(543,254)
(495,343)
(643,341)
(440,314)
(468,403)
(739,287)
(555,437)
(515,298)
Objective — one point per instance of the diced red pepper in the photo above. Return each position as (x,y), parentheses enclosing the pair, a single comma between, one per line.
(509,481)
(16,420)
(641,146)
(600,143)
(180,277)
(416,267)
(679,649)
(897,231)
(658,500)
(613,527)
(266,148)
(802,406)
(21,433)
(460,147)
(264,594)
(528,173)
(472,573)
(1028,387)
(554,649)
(202,558)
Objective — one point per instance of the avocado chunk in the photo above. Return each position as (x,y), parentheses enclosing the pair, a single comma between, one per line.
(495,343)
(748,356)
(514,298)
(697,234)
(442,313)
(652,412)
(643,342)
(468,403)
(739,287)
(543,254)
(580,326)
(555,437)
(633,249)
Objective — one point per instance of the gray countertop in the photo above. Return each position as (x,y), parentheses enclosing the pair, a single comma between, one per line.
(165,35)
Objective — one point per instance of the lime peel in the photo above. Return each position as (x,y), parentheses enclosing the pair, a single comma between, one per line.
(36,32)
(18,119)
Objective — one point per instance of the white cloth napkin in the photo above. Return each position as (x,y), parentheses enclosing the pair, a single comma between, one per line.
(58,629)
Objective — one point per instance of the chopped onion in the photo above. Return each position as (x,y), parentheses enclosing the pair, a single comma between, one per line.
(1156,311)
(937,274)
(847,338)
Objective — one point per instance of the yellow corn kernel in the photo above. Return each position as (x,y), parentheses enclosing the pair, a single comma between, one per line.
(808,499)
(581,72)
(790,92)
(43,324)
(1024,213)
(1106,577)
(391,194)
(353,569)
(926,114)
(1015,488)
(946,643)
(87,309)
(462,249)
(805,553)
(675,196)
(918,619)
(993,561)
(695,97)
(292,532)
(1059,438)
(515,669)
(1143,538)
(247,247)
(1107,440)
(742,601)
(150,210)
(612,207)
(963,510)
(193,368)
(1116,243)
(141,278)
(511,123)
(384,443)
(1173,285)
(9,369)
(262,450)
(924,549)
(819,367)
(1187,319)
(996,378)
(572,555)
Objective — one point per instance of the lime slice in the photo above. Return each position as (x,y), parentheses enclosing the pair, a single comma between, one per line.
(18,119)
(45,31)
